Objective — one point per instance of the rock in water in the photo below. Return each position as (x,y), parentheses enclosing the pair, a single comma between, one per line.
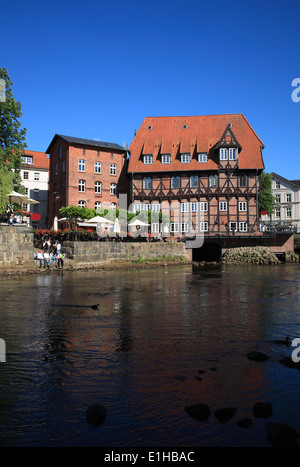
(96,414)
(257,356)
(281,435)
(263,410)
(200,412)
(224,415)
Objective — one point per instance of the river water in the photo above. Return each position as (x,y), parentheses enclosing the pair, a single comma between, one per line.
(161,339)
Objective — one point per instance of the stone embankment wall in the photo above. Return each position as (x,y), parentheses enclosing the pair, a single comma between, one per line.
(249,255)
(93,254)
(16,247)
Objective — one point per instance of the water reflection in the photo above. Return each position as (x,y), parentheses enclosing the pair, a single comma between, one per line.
(140,354)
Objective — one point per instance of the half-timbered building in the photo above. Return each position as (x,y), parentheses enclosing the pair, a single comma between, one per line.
(202,171)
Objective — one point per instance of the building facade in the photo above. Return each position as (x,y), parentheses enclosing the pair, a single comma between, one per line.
(86,173)
(287,202)
(35,178)
(203,172)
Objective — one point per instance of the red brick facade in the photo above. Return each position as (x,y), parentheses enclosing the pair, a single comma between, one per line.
(85,172)
(206,169)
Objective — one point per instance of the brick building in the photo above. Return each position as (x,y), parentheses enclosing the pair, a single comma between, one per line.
(86,173)
(35,178)
(202,171)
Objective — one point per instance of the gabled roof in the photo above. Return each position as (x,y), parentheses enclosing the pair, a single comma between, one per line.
(85,142)
(295,183)
(176,135)
(40,160)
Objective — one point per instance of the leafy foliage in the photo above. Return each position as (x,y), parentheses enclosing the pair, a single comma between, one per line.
(12,141)
(266,199)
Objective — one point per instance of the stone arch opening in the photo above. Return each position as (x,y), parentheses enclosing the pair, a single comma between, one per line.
(209,251)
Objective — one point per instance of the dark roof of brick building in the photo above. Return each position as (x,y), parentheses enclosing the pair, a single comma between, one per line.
(85,142)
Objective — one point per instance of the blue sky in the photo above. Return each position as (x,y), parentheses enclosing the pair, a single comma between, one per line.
(95,69)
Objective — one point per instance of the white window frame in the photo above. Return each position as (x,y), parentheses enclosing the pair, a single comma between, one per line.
(289,197)
(27,160)
(185,158)
(231,226)
(194,207)
(98,187)
(223,206)
(243,227)
(137,207)
(289,212)
(81,165)
(277,213)
(155,227)
(36,176)
(98,205)
(166,158)
(242,206)
(277,185)
(155,207)
(97,167)
(278,198)
(113,188)
(25,175)
(223,154)
(146,207)
(203,206)
(113,205)
(202,157)
(184,207)
(113,169)
(81,203)
(148,159)
(203,226)
(174,227)
(213,181)
(81,186)
(232,154)
(184,227)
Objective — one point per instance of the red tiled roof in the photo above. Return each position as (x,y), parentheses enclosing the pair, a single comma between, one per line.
(39,159)
(167,135)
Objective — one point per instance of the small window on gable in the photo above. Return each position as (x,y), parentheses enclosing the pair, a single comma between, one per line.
(202,157)
(148,159)
(233,154)
(166,158)
(185,158)
(223,154)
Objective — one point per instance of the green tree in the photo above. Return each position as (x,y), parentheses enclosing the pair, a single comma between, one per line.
(12,136)
(266,199)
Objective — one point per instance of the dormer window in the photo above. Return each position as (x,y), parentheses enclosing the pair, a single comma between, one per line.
(202,157)
(166,158)
(233,154)
(185,158)
(223,154)
(148,159)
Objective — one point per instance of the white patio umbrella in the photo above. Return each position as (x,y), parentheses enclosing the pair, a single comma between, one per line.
(18,198)
(137,222)
(100,220)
